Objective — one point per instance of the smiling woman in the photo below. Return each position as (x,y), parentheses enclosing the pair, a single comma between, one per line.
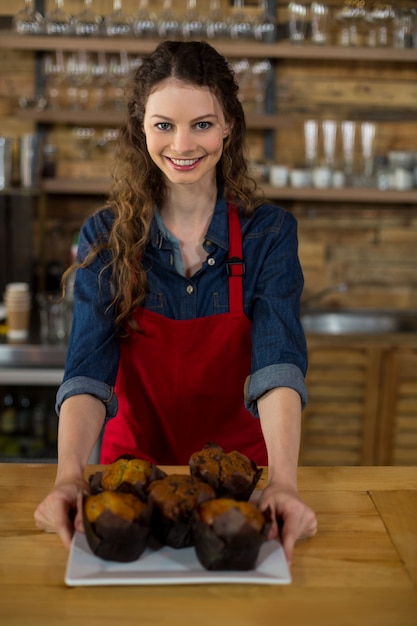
(186,317)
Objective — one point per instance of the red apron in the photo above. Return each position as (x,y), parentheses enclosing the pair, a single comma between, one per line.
(180,382)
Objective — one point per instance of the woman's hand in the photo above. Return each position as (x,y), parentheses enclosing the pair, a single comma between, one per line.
(291,518)
(61,511)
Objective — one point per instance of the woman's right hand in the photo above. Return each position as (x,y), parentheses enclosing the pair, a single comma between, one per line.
(61,511)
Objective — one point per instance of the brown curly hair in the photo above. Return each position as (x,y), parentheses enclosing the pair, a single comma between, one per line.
(138,184)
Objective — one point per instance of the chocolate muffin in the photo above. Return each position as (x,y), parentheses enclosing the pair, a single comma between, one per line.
(117,525)
(228,533)
(127,474)
(174,499)
(231,474)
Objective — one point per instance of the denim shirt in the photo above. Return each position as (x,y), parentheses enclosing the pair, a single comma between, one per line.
(272,286)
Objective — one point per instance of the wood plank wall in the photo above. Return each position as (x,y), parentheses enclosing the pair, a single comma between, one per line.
(373,247)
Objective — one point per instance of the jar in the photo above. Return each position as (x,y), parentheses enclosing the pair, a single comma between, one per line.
(49,164)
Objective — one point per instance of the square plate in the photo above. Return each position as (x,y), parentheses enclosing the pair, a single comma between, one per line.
(168,566)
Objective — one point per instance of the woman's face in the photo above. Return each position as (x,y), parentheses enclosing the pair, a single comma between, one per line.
(185,128)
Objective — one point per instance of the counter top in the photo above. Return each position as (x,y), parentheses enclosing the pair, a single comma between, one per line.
(360,569)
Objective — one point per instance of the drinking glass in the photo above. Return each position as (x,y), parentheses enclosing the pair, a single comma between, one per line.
(217,24)
(28,21)
(319,22)
(87,23)
(368,130)
(380,18)
(241,25)
(265,26)
(57,21)
(118,23)
(192,26)
(168,25)
(311,130)
(54,72)
(145,22)
(348,130)
(351,16)
(329,130)
(297,23)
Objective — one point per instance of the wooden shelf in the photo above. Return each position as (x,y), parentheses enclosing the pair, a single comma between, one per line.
(351,194)
(262,121)
(251,49)
(346,195)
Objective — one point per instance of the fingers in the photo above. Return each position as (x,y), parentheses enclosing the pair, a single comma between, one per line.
(297,527)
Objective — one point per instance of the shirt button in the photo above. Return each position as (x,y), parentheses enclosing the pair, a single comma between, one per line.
(211,261)
(190,289)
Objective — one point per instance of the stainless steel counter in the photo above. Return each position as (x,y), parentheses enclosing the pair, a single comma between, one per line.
(34,364)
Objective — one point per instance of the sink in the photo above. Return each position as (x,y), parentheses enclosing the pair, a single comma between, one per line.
(337,322)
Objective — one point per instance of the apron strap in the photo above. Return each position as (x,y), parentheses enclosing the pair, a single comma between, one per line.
(235,264)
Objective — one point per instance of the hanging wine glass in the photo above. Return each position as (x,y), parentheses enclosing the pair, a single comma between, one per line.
(260,73)
(57,21)
(217,24)
(99,80)
(28,21)
(87,23)
(119,71)
(118,23)
(145,23)
(265,26)
(192,26)
(78,75)
(351,16)
(168,25)
(84,137)
(241,26)
(380,17)
(54,72)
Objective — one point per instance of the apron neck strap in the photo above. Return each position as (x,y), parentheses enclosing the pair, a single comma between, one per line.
(235,264)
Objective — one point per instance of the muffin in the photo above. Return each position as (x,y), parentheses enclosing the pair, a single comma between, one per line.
(116,525)
(231,474)
(228,533)
(127,474)
(174,499)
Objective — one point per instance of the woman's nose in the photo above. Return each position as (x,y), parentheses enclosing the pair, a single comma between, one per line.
(183,142)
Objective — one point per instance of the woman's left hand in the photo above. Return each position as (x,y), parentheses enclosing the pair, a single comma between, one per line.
(292,519)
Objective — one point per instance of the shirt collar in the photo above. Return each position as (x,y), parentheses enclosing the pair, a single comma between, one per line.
(217,232)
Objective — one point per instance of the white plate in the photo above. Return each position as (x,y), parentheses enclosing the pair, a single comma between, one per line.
(168,566)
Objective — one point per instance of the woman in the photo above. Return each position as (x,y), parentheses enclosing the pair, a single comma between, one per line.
(186,322)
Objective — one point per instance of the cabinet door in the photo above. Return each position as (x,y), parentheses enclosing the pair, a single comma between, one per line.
(339,420)
(397,429)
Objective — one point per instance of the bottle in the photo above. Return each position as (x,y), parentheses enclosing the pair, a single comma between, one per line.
(8,415)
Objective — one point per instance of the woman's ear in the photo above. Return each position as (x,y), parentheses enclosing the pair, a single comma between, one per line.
(227,129)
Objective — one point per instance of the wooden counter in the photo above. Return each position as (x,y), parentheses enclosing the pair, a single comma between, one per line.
(360,569)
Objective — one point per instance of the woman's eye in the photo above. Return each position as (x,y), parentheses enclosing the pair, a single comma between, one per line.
(163,125)
(203,125)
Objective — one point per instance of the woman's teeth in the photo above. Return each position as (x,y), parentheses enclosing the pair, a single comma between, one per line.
(184,162)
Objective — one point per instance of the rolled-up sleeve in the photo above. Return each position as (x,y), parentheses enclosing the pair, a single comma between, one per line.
(279,351)
(93,351)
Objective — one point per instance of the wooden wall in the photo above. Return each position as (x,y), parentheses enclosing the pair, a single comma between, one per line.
(373,247)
